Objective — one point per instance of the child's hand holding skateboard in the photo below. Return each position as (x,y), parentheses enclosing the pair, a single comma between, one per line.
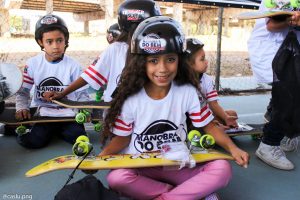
(23,114)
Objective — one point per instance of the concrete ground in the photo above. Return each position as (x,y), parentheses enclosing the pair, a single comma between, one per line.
(257,182)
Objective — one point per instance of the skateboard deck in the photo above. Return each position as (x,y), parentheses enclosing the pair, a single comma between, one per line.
(246,129)
(11,79)
(8,117)
(263,14)
(82,104)
(118,161)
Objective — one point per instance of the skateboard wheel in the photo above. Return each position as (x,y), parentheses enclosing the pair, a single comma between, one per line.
(20,130)
(99,95)
(83,138)
(98,127)
(80,118)
(270,3)
(295,3)
(207,141)
(193,134)
(194,137)
(81,148)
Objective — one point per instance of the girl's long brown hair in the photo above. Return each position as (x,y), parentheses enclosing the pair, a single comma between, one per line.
(133,79)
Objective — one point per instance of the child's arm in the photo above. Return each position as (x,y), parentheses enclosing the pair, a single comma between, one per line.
(117,144)
(219,112)
(277,26)
(80,82)
(241,157)
(22,104)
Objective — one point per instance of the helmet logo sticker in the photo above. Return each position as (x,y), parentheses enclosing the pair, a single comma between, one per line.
(152,43)
(134,15)
(49,20)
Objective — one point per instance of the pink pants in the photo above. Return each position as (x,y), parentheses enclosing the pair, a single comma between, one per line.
(159,183)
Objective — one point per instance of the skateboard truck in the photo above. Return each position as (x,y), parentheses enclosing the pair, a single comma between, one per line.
(200,142)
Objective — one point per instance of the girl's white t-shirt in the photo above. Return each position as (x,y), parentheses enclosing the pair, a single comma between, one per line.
(208,88)
(152,123)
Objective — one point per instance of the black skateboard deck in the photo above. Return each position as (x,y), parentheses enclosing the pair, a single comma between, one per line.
(8,117)
(82,104)
(246,129)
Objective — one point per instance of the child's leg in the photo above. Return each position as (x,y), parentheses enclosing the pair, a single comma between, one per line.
(149,183)
(199,182)
(133,183)
(38,137)
(71,131)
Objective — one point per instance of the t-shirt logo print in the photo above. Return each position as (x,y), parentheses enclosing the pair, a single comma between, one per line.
(156,134)
(49,84)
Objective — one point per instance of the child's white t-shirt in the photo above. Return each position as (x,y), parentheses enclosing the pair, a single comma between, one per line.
(108,69)
(208,89)
(44,76)
(152,123)
(263,46)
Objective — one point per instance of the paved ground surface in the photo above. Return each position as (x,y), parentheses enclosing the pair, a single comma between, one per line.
(257,182)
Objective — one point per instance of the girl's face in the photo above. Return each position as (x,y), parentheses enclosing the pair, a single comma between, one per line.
(161,70)
(200,64)
(54,44)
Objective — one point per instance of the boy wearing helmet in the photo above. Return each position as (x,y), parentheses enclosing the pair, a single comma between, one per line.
(108,69)
(50,70)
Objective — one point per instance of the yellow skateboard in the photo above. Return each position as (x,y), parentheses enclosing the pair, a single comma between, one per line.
(118,161)
(83,147)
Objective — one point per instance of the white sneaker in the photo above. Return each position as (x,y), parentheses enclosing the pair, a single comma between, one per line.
(288,144)
(274,156)
(212,196)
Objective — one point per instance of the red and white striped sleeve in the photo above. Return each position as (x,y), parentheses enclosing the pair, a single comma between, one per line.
(96,75)
(212,94)
(28,80)
(200,116)
(121,127)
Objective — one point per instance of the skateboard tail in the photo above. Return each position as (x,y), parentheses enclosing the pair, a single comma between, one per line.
(116,162)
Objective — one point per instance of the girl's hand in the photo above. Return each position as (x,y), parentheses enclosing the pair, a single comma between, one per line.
(241,157)
(49,96)
(231,121)
(22,114)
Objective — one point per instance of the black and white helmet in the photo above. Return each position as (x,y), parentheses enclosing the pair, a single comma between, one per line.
(158,35)
(113,33)
(193,45)
(135,11)
(50,22)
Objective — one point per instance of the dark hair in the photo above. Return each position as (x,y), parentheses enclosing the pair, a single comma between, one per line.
(133,79)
